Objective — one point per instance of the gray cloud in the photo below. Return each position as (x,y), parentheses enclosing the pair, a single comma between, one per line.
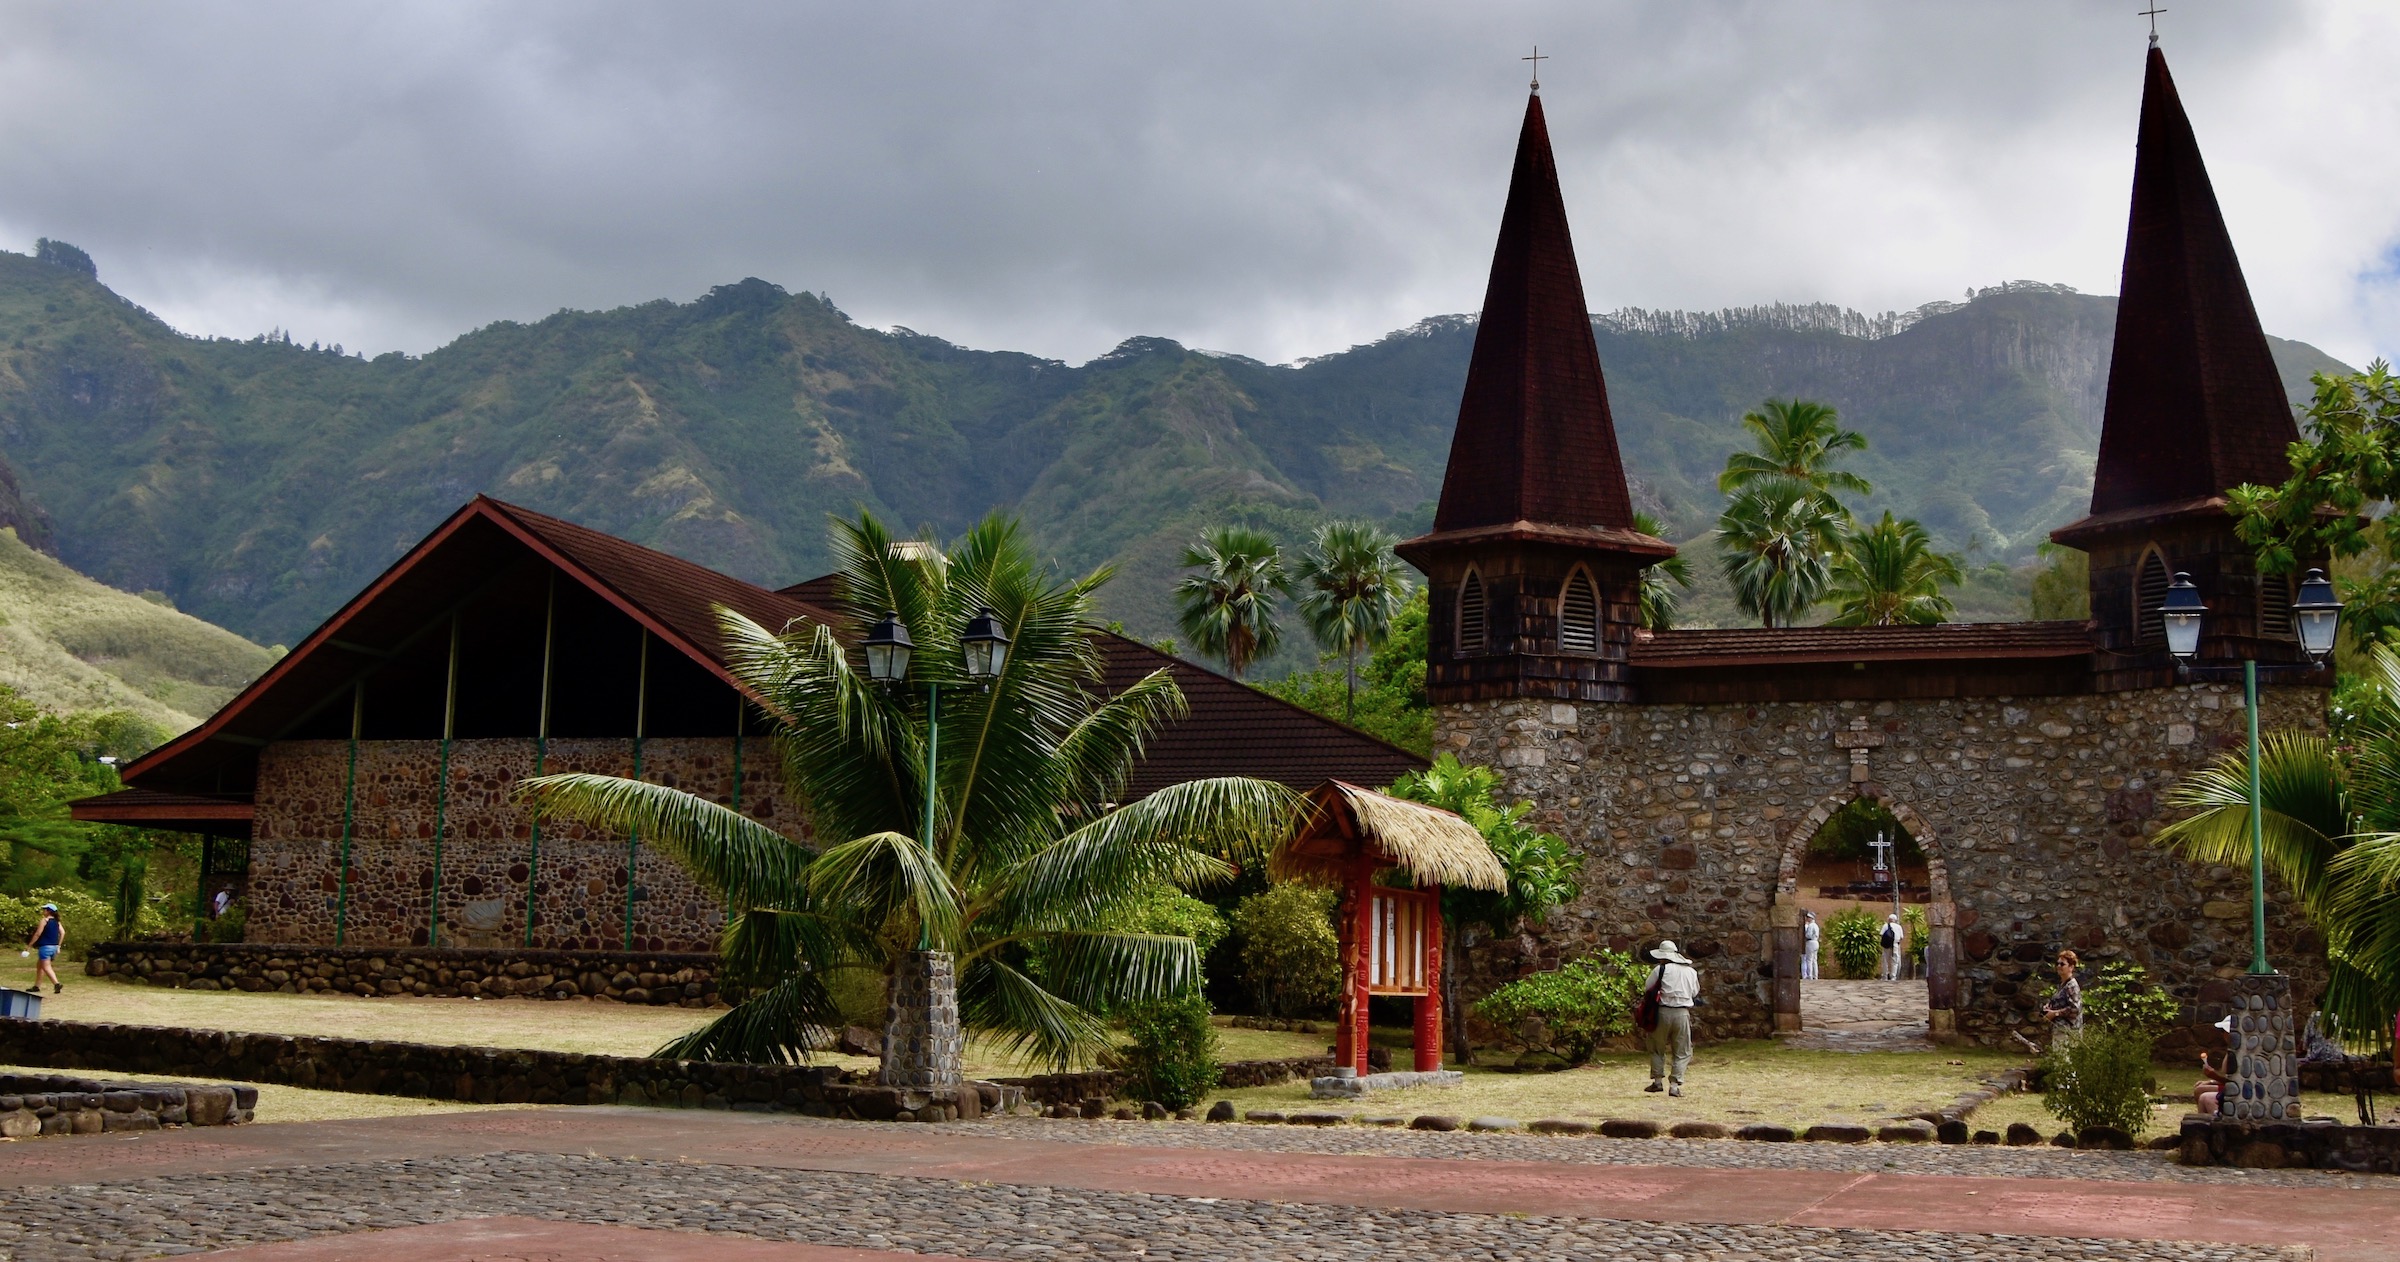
(1273,179)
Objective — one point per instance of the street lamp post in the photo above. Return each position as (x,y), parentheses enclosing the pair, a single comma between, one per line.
(924,1012)
(2319,616)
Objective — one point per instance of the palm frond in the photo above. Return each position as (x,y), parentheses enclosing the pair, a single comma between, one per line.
(1186,834)
(1026,1020)
(2304,822)
(774,1027)
(886,875)
(747,862)
(1110,970)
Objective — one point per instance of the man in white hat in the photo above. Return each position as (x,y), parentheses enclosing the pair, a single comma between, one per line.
(1678,987)
(1894,940)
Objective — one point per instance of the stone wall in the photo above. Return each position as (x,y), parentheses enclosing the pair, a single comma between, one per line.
(54,1104)
(686,980)
(487,851)
(2303,1145)
(2034,814)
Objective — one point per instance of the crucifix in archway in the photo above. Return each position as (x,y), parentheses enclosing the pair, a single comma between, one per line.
(1883,859)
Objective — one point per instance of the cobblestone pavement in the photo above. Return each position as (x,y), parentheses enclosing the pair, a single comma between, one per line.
(152,1217)
(2036,1162)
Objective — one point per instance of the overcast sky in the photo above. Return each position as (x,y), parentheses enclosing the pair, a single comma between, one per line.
(1276,179)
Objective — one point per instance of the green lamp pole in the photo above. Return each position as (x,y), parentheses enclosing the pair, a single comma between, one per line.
(2319,616)
(984,648)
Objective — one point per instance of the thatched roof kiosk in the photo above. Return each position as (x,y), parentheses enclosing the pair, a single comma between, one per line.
(1347,824)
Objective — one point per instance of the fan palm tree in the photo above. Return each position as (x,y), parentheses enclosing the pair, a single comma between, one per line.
(2330,820)
(1661,580)
(1795,438)
(1888,575)
(1351,584)
(1776,541)
(1227,608)
(1028,851)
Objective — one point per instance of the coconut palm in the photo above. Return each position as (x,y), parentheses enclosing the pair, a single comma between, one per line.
(1351,584)
(1227,607)
(1776,541)
(1888,575)
(1661,580)
(1028,850)
(1795,438)
(2330,821)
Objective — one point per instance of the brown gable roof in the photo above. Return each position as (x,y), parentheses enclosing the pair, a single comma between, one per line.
(1535,442)
(2195,404)
(1757,646)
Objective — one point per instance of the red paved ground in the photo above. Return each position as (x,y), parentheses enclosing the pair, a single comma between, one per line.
(2344,1224)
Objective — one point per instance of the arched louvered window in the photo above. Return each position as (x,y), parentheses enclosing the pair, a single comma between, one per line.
(1579,615)
(2150,596)
(1473,615)
(2275,606)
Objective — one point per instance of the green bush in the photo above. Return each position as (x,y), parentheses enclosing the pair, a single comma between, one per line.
(2123,997)
(88,919)
(1172,1055)
(1854,937)
(229,927)
(2100,1078)
(1579,1005)
(1290,955)
(1913,920)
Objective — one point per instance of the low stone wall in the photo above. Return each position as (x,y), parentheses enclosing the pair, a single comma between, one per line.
(54,1104)
(2291,1145)
(640,977)
(2347,1075)
(1107,1084)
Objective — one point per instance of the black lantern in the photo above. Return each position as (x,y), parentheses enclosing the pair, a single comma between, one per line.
(2319,615)
(2181,613)
(984,644)
(888,646)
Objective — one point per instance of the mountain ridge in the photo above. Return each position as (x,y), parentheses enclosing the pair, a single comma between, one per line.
(260,483)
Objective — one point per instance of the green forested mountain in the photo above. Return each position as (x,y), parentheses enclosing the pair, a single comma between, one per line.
(258,484)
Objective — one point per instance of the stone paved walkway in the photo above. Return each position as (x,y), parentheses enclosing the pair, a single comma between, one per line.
(1027,1189)
(1862,1016)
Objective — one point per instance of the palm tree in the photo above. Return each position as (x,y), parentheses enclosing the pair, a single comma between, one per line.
(1661,580)
(1351,583)
(1228,607)
(1029,851)
(1777,539)
(2330,820)
(1794,438)
(1888,575)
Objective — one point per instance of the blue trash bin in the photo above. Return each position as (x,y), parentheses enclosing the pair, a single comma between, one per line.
(24,1005)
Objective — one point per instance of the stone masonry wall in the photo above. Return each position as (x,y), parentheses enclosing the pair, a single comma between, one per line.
(487,857)
(2034,813)
(655,978)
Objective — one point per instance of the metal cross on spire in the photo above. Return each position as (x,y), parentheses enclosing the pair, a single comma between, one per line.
(1537,59)
(2151,13)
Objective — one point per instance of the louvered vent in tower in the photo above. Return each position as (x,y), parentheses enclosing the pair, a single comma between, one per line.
(1472,615)
(1579,615)
(2149,597)
(2274,606)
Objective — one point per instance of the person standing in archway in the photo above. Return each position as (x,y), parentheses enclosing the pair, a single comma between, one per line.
(1812,937)
(1895,946)
(1677,986)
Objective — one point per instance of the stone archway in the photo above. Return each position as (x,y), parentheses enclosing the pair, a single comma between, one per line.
(1941,914)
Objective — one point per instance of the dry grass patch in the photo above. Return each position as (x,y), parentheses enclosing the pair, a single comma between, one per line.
(1733,1083)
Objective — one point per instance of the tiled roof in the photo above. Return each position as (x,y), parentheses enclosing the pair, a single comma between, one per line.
(681,594)
(1534,440)
(1758,646)
(2195,404)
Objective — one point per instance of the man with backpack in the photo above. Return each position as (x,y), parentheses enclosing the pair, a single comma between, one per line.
(1666,1016)
(1895,946)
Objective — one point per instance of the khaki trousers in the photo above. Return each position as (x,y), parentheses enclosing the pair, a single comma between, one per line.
(1673,1035)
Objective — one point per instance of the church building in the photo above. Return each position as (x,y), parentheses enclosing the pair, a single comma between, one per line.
(2031,761)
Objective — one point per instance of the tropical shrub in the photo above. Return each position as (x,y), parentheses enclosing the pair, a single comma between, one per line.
(1171,1056)
(1913,920)
(88,919)
(1290,953)
(1577,1006)
(1854,937)
(2123,997)
(2100,1078)
(229,927)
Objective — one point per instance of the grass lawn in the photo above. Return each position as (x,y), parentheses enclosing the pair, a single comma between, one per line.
(604,1028)
(296,1104)
(1734,1083)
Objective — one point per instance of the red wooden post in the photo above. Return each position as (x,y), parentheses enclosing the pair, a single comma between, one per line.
(1362,935)
(1429,1004)
(1353,957)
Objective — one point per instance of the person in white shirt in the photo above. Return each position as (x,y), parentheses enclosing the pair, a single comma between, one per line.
(1678,986)
(1895,946)
(1812,936)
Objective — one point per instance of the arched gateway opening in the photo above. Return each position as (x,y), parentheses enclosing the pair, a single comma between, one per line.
(1829,864)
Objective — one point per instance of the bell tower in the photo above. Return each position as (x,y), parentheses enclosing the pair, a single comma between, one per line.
(1533,565)
(2195,406)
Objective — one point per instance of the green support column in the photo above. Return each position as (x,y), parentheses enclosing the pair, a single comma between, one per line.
(341,897)
(2258,840)
(441,791)
(541,750)
(641,718)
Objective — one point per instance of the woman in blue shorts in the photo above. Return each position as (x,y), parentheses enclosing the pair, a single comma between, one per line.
(47,938)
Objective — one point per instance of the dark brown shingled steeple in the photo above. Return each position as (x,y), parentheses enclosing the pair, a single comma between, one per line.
(1533,560)
(2195,406)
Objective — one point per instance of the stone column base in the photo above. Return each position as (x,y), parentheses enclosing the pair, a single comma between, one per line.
(922,1046)
(2266,1077)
